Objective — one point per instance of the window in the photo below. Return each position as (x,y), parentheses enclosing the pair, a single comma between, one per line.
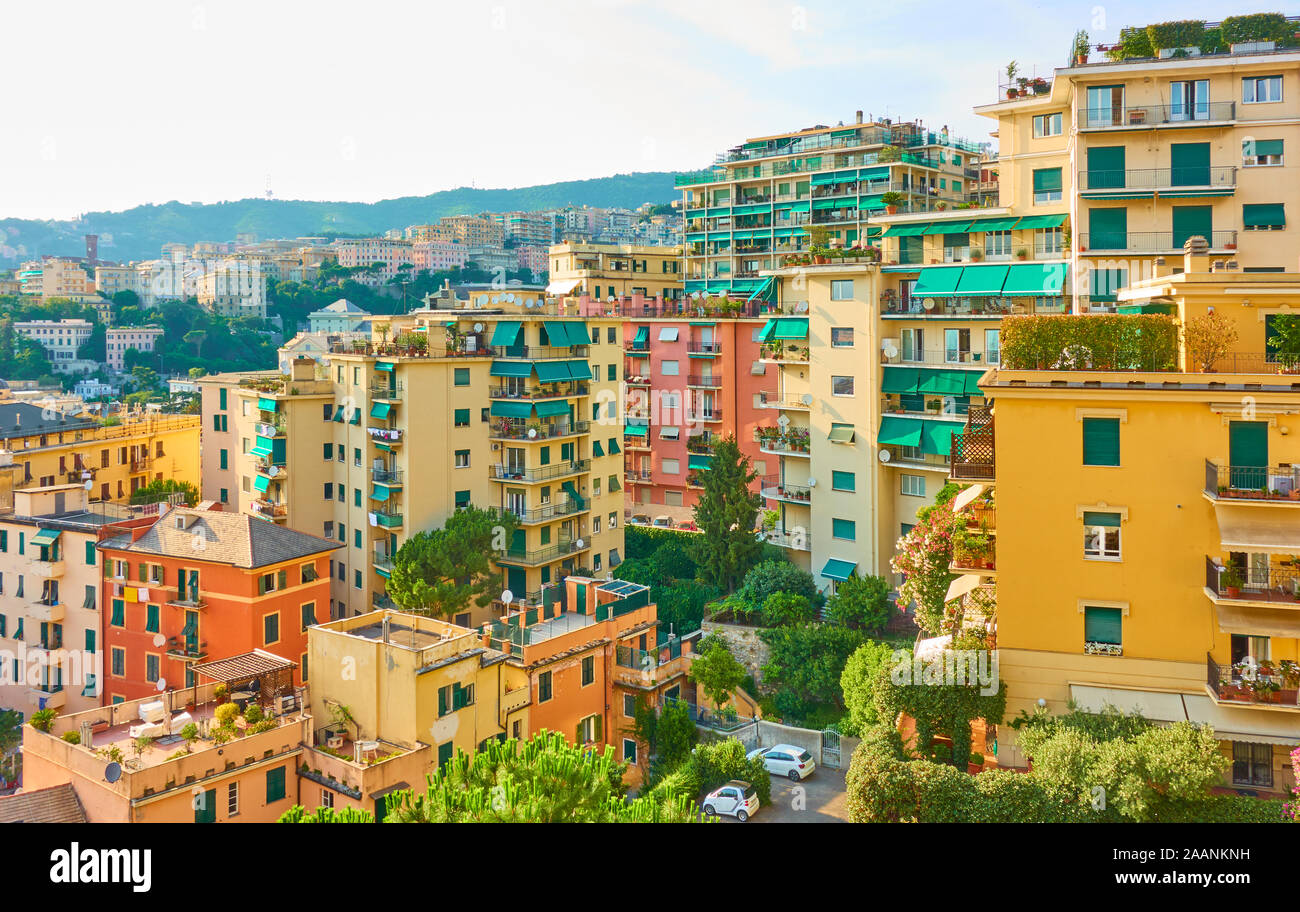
(841,386)
(543,687)
(357,582)
(1256,153)
(118,656)
(588,670)
(461,376)
(844,529)
(956,346)
(462,459)
(669,368)
(1263,216)
(326,798)
(151,621)
(308,614)
(225,458)
(232,799)
(629,706)
(841,337)
(90,554)
(588,730)
(1252,764)
(671,466)
(841,289)
(1047,185)
(118,618)
(152,666)
(1101,441)
(454,697)
(992,346)
(611,372)
(843,481)
(912,485)
(1261,89)
(271,629)
(462,418)
(1101,535)
(1104,628)
(629,751)
(1047,125)
(275,784)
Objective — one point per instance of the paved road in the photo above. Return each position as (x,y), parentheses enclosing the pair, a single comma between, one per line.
(818,799)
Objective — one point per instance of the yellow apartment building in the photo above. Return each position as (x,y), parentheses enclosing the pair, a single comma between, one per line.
(1146,530)
(393,697)
(615,270)
(1143,153)
(508,401)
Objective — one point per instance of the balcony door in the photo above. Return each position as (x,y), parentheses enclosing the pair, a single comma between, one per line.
(1189,165)
(1189,100)
(1105,167)
(1105,106)
(1248,454)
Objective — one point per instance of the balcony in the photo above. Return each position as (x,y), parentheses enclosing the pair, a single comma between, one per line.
(546,512)
(273,429)
(975,552)
(797,540)
(792,442)
(776,401)
(47,569)
(703,382)
(934,405)
(709,416)
(540,556)
(704,349)
(390,477)
(793,354)
(539,352)
(186,648)
(1173,182)
(387,520)
(773,488)
(534,393)
(632,476)
(499,472)
(1275,484)
(51,696)
(1149,242)
(972,453)
(383,563)
(951,358)
(514,429)
(1265,684)
(388,392)
(1144,117)
(386,435)
(46,611)
(270,508)
(1271,585)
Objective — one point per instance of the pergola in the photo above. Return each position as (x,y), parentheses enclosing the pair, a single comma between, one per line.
(263,674)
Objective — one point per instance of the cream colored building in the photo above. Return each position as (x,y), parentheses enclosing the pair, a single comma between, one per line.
(615,270)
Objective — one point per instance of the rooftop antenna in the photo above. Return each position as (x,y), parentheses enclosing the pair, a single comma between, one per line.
(269,193)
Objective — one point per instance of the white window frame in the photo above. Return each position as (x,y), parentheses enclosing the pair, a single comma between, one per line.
(907,481)
(1096,547)
(838,291)
(1044,122)
(852,387)
(1254,82)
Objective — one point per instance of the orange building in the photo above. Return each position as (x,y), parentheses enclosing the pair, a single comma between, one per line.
(592,653)
(203,585)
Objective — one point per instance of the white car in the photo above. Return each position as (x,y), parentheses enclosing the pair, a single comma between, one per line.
(735,799)
(794,763)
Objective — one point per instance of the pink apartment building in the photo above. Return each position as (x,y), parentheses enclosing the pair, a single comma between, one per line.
(434,255)
(118,339)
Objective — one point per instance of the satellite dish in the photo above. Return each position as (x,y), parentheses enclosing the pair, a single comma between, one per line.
(806,399)
(784,421)
(532,432)
(695,295)
(812,482)
(90,485)
(801,307)
(113,772)
(496,299)
(578,543)
(890,349)
(480,300)
(507,596)
(884,456)
(928,303)
(510,298)
(478,327)
(609,300)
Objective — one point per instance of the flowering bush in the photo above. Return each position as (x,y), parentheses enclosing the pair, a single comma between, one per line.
(923,557)
(1292,809)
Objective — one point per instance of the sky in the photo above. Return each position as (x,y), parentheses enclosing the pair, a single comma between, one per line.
(146,101)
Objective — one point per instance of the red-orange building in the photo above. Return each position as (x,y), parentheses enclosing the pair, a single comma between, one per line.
(203,585)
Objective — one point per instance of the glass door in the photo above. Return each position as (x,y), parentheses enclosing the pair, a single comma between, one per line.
(1189,100)
(1105,106)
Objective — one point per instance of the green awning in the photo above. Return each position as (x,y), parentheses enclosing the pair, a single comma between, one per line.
(557,332)
(383,365)
(995,224)
(698,461)
(831,203)
(900,431)
(767,332)
(262,451)
(379,492)
(841,433)
(552,408)
(506,332)
(511,368)
(1041,221)
(382,446)
(906,230)
(506,409)
(962,226)
(1155,308)
(572,490)
(261,483)
(936,437)
(1263,215)
(552,371)
(982,280)
(266,405)
(936,281)
(636,430)
(899,380)
(941,382)
(973,384)
(46,537)
(577,333)
(1035,279)
(380,409)
(642,337)
(839,570)
(791,328)
(578,369)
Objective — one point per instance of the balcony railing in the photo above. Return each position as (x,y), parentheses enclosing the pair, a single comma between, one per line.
(382,562)
(511,429)
(539,352)
(776,401)
(571,389)
(701,415)
(501,472)
(270,508)
(774,488)
(972,451)
(541,555)
(704,348)
(566,507)
(385,434)
(386,476)
(1255,584)
(953,358)
(389,520)
(1262,683)
(1273,483)
(388,392)
(796,540)
(699,380)
(1097,181)
(1141,116)
(1150,241)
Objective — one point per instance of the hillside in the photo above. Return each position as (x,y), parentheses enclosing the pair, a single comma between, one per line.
(139,233)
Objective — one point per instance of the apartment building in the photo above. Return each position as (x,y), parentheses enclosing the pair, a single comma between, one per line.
(56,277)
(604,271)
(48,447)
(1143,153)
(203,584)
(61,339)
(507,401)
(367,252)
(49,598)
(118,339)
(233,288)
(340,317)
(764,199)
(1144,529)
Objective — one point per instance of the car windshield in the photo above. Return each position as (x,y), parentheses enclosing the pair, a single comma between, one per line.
(749,792)
(804,757)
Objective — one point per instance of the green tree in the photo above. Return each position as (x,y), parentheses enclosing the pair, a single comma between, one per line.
(297,814)
(858,685)
(717,671)
(159,489)
(771,576)
(784,609)
(675,733)
(862,602)
(725,514)
(923,556)
(804,667)
(439,572)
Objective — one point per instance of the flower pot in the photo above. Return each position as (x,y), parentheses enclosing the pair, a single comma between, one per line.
(1233,591)
(891,210)
(974,768)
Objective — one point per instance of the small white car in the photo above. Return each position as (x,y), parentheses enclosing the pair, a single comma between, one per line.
(735,799)
(794,763)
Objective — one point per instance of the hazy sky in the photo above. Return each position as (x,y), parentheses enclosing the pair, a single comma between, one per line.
(115,104)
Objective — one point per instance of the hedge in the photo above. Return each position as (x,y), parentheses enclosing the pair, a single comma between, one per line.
(1185,34)
(640,541)
(1257,27)
(1147,342)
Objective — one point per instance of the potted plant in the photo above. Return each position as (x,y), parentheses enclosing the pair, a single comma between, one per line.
(1022,253)
(891,200)
(974,763)
(1231,581)
(976,254)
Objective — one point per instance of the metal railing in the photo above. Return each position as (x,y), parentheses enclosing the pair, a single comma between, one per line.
(1112,116)
(540,555)
(1224,177)
(387,391)
(795,541)
(1258,584)
(386,476)
(776,401)
(955,358)
(566,507)
(710,382)
(704,348)
(1150,241)
(545,473)
(539,352)
(505,392)
(1231,482)
(774,488)
(517,429)
(1249,684)
(389,520)
(706,416)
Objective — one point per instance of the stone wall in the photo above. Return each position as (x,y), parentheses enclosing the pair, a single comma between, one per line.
(743,642)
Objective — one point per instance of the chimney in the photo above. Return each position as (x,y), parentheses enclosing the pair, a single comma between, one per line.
(383,627)
(1196,254)
(87,735)
(302,370)
(1159,268)
(859,117)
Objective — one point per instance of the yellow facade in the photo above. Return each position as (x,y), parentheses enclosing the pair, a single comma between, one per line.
(616,270)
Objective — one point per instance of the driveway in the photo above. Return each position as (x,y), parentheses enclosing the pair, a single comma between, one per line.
(818,799)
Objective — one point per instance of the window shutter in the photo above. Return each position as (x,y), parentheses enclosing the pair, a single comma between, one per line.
(1047,179)
(1103,625)
(1101,441)
(1101,519)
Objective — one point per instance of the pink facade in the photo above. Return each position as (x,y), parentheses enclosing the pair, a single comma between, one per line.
(117,341)
(436,255)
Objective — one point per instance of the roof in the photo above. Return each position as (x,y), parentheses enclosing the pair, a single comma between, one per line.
(249,665)
(24,418)
(342,305)
(56,804)
(227,538)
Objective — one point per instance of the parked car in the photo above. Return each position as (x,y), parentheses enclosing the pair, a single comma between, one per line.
(794,763)
(735,799)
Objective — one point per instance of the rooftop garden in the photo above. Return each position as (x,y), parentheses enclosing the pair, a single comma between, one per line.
(1093,342)
(1193,36)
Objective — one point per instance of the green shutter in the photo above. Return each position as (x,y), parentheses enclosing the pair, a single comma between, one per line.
(1047,180)
(1103,625)
(1263,215)
(275,784)
(1189,165)
(1248,444)
(1105,167)
(90,553)
(1101,441)
(844,528)
(1108,229)
(1190,221)
(843,481)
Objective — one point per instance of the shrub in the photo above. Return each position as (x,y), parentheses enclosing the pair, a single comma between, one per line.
(225,713)
(783,609)
(261,725)
(1185,34)
(42,719)
(861,602)
(1090,342)
(72,737)
(716,763)
(768,577)
(1257,27)
(253,714)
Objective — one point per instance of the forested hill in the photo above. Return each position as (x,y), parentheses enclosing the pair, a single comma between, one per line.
(139,233)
